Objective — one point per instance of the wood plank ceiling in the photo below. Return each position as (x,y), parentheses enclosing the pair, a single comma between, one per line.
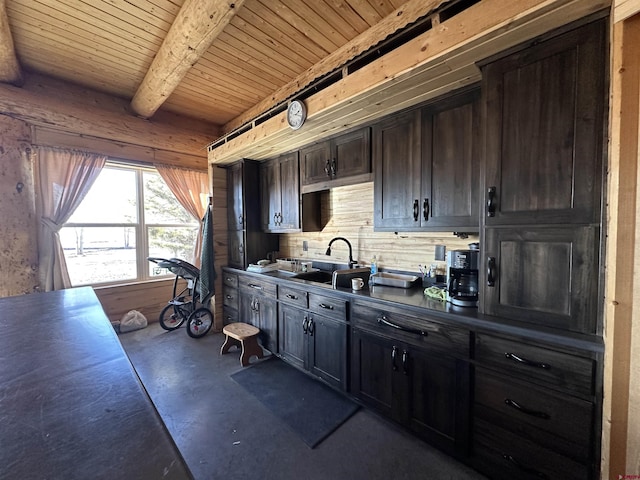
(109,45)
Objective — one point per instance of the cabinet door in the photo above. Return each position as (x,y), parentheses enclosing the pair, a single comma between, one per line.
(247,310)
(315,163)
(352,154)
(236,249)
(270,194)
(397,164)
(289,192)
(543,276)
(267,311)
(235,212)
(437,391)
(450,163)
(373,360)
(544,130)
(292,338)
(328,350)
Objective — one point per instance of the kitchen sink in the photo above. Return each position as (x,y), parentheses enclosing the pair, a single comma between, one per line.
(318,276)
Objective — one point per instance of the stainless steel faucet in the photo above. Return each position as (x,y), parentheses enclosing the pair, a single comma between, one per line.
(328,252)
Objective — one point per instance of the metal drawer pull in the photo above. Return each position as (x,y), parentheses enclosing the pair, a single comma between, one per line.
(253,285)
(529,470)
(516,358)
(383,319)
(229,297)
(526,411)
(325,306)
(305,325)
(291,297)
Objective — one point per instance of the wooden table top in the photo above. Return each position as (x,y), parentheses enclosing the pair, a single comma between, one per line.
(71,405)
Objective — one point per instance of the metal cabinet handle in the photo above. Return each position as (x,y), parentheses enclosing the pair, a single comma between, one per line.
(491,202)
(240,220)
(333,168)
(529,470)
(229,297)
(327,168)
(526,411)
(291,297)
(394,354)
(253,285)
(325,306)
(405,362)
(425,209)
(311,326)
(241,248)
(382,319)
(416,209)
(305,324)
(524,361)
(491,271)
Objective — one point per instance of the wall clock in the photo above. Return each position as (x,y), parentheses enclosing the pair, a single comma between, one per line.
(296,114)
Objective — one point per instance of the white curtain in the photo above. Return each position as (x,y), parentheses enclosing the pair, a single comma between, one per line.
(64,178)
(191,188)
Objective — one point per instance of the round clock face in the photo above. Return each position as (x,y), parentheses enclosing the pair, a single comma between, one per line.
(296,114)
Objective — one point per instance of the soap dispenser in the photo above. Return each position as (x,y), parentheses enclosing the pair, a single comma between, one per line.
(374,265)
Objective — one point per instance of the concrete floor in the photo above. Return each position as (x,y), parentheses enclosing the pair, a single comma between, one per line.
(224,432)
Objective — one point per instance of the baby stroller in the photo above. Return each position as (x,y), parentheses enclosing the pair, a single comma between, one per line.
(185,305)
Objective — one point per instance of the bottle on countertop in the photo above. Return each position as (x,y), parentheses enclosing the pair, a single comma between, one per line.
(374,265)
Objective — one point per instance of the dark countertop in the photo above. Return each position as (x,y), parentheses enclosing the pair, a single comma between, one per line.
(71,405)
(413,300)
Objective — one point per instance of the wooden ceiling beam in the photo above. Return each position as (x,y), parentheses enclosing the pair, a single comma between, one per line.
(408,13)
(46,102)
(195,28)
(10,71)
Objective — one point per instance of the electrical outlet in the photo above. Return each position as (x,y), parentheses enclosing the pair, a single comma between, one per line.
(305,246)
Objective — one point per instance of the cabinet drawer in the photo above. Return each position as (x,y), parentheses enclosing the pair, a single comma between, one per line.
(417,331)
(230,315)
(336,308)
(293,296)
(230,297)
(558,422)
(230,279)
(569,372)
(257,286)
(504,455)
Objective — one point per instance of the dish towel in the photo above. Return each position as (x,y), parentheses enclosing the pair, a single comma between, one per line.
(207,269)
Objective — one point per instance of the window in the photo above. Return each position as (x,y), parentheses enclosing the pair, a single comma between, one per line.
(128,215)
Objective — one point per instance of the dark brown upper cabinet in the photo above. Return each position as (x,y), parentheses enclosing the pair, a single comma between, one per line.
(543,181)
(340,161)
(545,130)
(426,167)
(247,242)
(280,192)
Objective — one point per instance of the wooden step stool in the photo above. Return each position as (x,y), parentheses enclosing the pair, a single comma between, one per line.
(244,336)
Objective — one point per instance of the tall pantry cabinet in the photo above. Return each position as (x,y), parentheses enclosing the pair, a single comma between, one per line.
(247,242)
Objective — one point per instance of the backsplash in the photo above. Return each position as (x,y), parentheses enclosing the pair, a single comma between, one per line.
(349,214)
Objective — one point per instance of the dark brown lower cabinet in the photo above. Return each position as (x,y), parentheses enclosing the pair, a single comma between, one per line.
(423,390)
(261,312)
(534,413)
(315,343)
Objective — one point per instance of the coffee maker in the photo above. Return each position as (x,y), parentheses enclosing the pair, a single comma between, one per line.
(462,277)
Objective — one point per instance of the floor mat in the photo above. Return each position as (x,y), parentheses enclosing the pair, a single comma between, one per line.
(308,407)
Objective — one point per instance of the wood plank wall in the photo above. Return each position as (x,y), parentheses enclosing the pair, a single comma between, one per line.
(349,213)
(218,178)
(621,406)
(149,298)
